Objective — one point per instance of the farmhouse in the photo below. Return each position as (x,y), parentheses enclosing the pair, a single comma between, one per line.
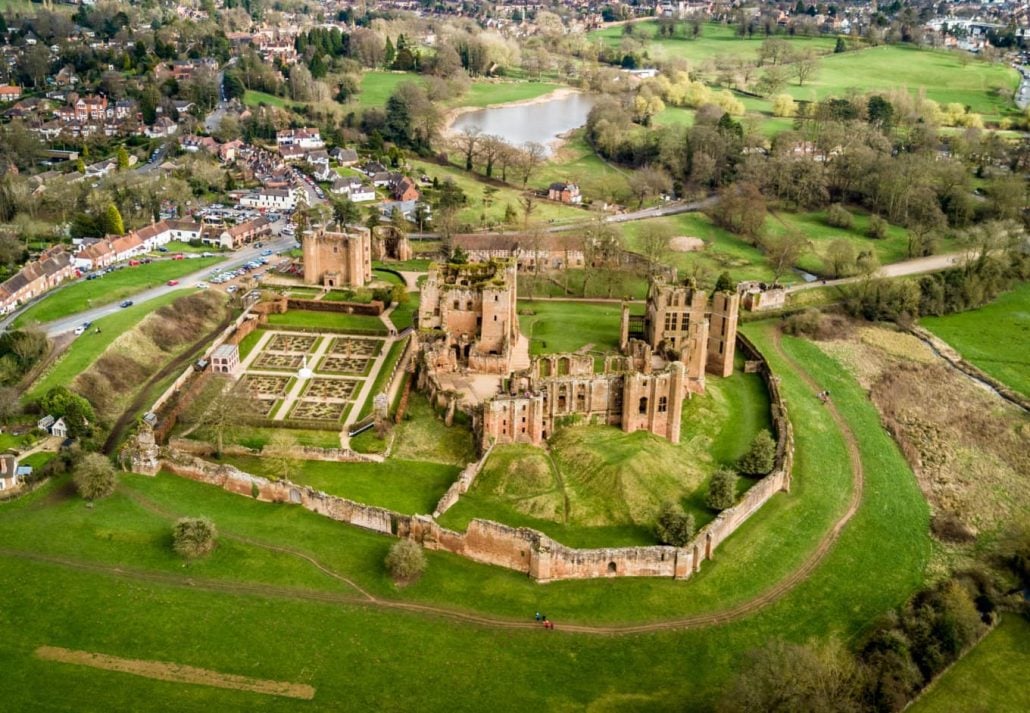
(564,193)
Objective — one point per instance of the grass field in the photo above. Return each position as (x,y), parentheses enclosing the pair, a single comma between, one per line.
(253,98)
(568,326)
(994,337)
(485,93)
(943,75)
(377,86)
(584,283)
(88,347)
(332,321)
(991,677)
(290,638)
(486,203)
(113,287)
(723,250)
(380,384)
(576,161)
(411,487)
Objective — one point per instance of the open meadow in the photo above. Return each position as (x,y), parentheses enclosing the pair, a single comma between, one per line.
(994,337)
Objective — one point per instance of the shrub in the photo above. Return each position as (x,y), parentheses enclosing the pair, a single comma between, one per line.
(784,105)
(948,527)
(193,537)
(838,216)
(94,477)
(406,561)
(673,527)
(877,227)
(760,457)
(722,490)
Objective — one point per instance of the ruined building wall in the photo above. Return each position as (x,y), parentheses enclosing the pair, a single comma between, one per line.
(722,333)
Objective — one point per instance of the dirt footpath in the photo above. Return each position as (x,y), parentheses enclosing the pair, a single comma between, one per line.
(177,673)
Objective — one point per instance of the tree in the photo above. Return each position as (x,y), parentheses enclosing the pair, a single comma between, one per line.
(530,158)
(838,216)
(345,211)
(841,256)
(94,477)
(227,411)
(877,227)
(725,283)
(654,240)
(10,403)
(279,454)
(784,678)
(784,105)
(193,537)
(806,65)
(648,182)
(840,46)
(76,411)
(672,526)
(722,490)
(122,158)
(740,209)
(760,457)
(406,561)
(783,252)
(111,221)
(467,141)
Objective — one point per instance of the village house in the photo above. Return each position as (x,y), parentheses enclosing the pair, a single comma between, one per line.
(161,128)
(53,267)
(564,193)
(306,138)
(354,188)
(10,93)
(404,189)
(55,427)
(111,249)
(9,476)
(275,199)
(235,236)
(344,157)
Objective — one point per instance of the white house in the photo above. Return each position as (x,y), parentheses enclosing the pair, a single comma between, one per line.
(306,138)
(277,199)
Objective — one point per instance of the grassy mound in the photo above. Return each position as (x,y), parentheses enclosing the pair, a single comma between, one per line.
(135,356)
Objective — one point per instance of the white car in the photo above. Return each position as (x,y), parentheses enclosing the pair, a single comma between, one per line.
(201,285)
(231,289)
(79,330)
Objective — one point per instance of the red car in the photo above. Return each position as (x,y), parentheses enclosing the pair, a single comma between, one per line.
(173,283)
(178,256)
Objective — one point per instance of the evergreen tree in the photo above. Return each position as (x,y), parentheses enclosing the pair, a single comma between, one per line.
(122,158)
(390,52)
(111,221)
(761,456)
(722,490)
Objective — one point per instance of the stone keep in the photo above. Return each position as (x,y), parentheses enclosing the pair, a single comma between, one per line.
(337,259)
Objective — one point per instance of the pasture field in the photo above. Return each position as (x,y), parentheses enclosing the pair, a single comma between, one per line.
(378,85)
(994,337)
(486,93)
(250,597)
(576,161)
(254,98)
(991,677)
(88,347)
(716,40)
(112,287)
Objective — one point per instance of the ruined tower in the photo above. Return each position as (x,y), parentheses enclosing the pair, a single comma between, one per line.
(337,259)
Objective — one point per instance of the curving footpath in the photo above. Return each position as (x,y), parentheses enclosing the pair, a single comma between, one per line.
(361,597)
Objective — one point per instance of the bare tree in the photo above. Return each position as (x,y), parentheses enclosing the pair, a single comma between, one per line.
(279,454)
(227,412)
(490,149)
(806,64)
(648,182)
(529,204)
(653,240)
(467,141)
(784,251)
(530,159)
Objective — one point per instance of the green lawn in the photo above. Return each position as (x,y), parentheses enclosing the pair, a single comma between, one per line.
(362,654)
(253,98)
(403,315)
(991,677)
(88,347)
(568,326)
(377,86)
(488,92)
(410,487)
(329,321)
(576,161)
(584,283)
(113,287)
(994,337)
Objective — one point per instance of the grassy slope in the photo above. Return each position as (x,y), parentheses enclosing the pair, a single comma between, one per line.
(875,565)
(567,326)
(113,287)
(254,98)
(992,677)
(994,337)
(88,347)
(380,384)
(576,161)
(485,93)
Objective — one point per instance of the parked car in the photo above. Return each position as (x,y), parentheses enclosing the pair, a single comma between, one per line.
(266,253)
(126,303)
(173,283)
(231,289)
(79,330)
(87,325)
(201,285)
(200,364)
(162,249)
(178,256)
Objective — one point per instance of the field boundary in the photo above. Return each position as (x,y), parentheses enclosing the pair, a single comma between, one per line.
(175,673)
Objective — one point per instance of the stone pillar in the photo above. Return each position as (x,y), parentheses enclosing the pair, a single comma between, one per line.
(144,455)
(540,560)
(684,566)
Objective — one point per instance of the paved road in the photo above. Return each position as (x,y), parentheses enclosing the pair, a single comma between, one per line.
(917,266)
(236,259)
(1023,93)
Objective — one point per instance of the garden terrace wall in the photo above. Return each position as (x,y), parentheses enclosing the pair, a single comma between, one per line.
(371,309)
(333,455)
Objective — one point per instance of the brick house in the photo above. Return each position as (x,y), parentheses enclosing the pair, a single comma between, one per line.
(564,193)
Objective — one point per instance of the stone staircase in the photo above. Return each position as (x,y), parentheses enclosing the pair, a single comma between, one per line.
(520,354)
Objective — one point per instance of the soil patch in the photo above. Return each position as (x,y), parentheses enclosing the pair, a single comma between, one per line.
(176,673)
(686,244)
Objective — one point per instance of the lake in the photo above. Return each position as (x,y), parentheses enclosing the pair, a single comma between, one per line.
(542,122)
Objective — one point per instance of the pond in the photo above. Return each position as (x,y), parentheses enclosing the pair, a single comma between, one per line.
(541,121)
